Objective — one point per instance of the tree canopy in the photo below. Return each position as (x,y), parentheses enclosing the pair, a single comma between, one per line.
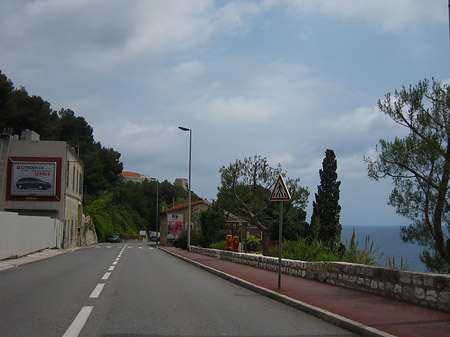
(245,191)
(102,165)
(325,218)
(419,166)
(117,206)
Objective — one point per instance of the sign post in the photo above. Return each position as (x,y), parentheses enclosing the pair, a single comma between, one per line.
(280,193)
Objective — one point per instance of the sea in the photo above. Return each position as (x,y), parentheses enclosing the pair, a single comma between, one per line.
(387,243)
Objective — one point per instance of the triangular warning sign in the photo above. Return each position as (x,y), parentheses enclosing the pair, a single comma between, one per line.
(280,192)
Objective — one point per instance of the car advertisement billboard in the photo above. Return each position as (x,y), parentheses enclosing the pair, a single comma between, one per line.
(174,225)
(34,179)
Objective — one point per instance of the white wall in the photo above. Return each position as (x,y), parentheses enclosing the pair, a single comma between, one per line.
(22,235)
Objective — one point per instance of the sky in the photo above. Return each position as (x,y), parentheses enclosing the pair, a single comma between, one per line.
(285,80)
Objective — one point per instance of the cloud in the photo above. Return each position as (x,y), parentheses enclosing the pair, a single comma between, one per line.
(234,16)
(189,69)
(102,36)
(236,72)
(387,15)
(240,108)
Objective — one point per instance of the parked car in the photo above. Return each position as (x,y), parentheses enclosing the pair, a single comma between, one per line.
(32,183)
(114,238)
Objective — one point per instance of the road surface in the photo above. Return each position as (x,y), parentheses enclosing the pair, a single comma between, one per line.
(136,290)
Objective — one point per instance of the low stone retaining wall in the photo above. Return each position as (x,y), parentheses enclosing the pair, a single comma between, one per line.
(430,290)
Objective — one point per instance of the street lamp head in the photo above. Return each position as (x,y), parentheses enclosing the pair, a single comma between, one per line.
(183,128)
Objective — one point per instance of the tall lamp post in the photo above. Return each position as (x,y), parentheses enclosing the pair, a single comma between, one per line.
(189,183)
(157,208)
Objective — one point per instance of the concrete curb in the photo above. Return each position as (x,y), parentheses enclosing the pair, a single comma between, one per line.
(36,256)
(325,315)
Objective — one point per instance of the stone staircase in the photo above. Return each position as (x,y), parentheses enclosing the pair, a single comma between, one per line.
(88,233)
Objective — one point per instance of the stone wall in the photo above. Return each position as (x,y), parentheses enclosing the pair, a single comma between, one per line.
(88,233)
(431,290)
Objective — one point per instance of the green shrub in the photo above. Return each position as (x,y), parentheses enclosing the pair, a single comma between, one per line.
(222,245)
(182,238)
(253,243)
(304,250)
(213,227)
(365,255)
(110,219)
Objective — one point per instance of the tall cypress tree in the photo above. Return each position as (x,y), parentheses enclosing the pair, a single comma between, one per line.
(325,218)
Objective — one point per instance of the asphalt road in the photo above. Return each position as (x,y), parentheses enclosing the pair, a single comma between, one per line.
(136,290)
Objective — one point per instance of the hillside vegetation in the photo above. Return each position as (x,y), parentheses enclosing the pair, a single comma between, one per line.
(117,207)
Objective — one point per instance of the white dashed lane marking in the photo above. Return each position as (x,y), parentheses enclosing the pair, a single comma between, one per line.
(79,322)
(106,276)
(82,317)
(98,289)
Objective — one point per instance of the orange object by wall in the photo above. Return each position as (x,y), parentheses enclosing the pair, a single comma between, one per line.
(229,242)
(236,243)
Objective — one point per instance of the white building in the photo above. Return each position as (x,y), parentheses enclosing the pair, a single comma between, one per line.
(42,178)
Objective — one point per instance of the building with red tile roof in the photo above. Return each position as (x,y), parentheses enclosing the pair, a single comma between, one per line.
(174,220)
(134,176)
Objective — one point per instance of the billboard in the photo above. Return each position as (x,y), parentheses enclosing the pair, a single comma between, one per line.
(34,179)
(174,225)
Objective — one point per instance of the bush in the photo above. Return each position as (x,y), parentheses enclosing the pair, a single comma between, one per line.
(362,256)
(110,219)
(304,250)
(221,245)
(253,243)
(212,225)
(182,239)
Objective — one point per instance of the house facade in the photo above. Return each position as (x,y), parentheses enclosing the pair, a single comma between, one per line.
(174,220)
(43,178)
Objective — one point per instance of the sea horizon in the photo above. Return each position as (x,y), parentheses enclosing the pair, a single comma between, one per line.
(387,243)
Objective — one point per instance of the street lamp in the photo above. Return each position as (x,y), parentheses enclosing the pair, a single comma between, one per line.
(189,183)
(157,208)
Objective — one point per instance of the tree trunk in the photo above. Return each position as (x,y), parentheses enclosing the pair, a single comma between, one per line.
(265,241)
(440,243)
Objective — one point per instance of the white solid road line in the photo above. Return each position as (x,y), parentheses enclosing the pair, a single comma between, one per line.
(79,322)
(98,289)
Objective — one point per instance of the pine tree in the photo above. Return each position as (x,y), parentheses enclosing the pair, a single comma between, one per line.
(325,218)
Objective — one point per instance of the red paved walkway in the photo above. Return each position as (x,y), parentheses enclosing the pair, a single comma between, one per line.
(385,314)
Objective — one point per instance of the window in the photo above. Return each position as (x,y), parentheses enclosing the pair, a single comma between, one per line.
(81,184)
(67,173)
